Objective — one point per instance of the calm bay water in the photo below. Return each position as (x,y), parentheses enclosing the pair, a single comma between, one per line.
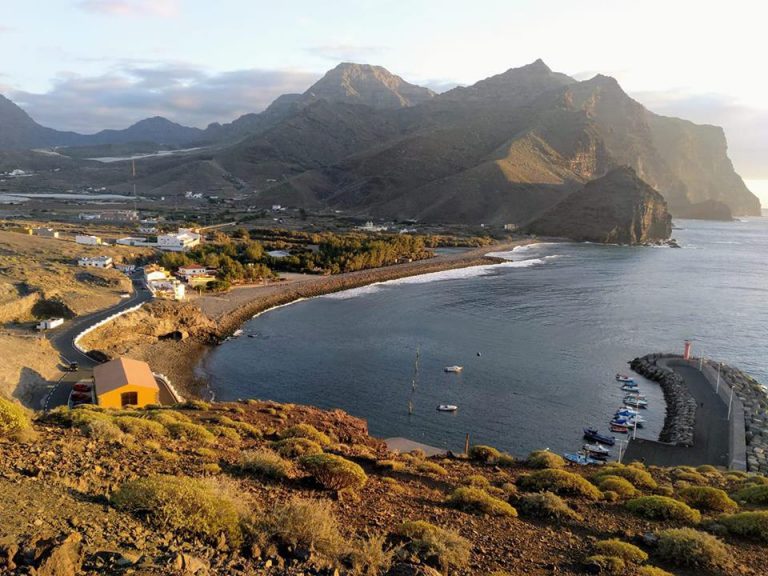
(552,326)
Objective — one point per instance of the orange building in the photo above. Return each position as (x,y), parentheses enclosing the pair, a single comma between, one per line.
(125,382)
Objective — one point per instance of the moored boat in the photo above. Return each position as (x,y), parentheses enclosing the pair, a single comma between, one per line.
(453,369)
(624,378)
(447,408)
(636,402)
(593,435)
(620,428)
(596,450)
(581,459)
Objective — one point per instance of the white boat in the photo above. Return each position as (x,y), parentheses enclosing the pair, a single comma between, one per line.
(624,378)
(636,402)
(238,332)
(447,408)
(453,369)
(596,449)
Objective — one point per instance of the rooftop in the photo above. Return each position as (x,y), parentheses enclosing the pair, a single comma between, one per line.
(121,372)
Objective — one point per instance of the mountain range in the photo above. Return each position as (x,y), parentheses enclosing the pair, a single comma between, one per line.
(363,140)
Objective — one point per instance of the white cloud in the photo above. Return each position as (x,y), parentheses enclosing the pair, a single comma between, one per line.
(163,8)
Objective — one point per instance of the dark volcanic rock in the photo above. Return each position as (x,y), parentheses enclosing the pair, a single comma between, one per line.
(617,208)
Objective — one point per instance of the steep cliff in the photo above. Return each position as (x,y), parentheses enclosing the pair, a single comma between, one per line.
(617,208)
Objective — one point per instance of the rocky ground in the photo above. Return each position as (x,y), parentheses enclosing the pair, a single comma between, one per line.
(60,512)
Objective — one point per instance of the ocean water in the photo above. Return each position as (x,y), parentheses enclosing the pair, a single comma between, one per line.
(540,338)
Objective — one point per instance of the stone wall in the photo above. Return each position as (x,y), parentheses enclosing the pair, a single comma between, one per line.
(680,419)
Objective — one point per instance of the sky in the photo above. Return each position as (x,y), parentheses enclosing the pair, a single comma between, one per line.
(86,65)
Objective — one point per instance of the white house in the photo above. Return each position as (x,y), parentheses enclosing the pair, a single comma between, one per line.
(155,274)
(87,240)
(183,240)
(172,289)
(95,262)
(371,227)
(125,268)
(132,241)
(192,270)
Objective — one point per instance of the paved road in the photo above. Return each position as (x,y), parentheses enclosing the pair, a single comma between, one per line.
(63,339)
(710,437)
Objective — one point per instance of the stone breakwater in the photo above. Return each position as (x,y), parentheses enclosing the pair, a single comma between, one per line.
(680,420)
(755,401)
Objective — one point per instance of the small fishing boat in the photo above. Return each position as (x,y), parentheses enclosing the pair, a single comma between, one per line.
(620,428)
(628,422)
(627,411)
(238,332)
(447,408)
(630,388)
(581,459)
(453,369)
(624,378)
(637,402)
(593,435)
(596,450)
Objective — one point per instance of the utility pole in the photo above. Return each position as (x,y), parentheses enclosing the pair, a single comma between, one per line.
(717,388)
(466,444)
(730,404)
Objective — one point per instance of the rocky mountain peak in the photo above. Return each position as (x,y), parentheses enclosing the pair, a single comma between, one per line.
(366,84)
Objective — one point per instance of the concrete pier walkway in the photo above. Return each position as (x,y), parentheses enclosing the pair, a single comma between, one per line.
(711,432)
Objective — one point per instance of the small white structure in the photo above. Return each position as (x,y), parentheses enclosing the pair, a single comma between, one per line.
(88,240)
(183,240)
(155,274)
(187,272)
(46,232)
(132,241)
(125,268)
(50,324)
(147,229)
(371,227)
(95,262)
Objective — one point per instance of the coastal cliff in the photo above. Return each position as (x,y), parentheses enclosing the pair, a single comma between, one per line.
(618,208)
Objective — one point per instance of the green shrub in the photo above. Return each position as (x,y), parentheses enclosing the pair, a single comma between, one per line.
(691,478)
(476,481)
(707,499)
(334,472)
(611,496)
(546,505)
(689,547)
(621,486)
(482,453)
(185,505)
(753,494)
(191,432)
(652,571)
(194,405)
(306,431)
(140,427)
(211,468)
(559,482)
(308,523)
(370,556)
(606,564)
(166,417)
(430,467)
(13,418)
(471,499)
(103,431)
(544,459)
(246,429)
(266,463)
(708,470)
(391,465)
(663,508)
(77,417)
(427,541)
(505,460)
(638,477)
(630,553)
(393,485)
(227,433)
(297,447)
(748,524)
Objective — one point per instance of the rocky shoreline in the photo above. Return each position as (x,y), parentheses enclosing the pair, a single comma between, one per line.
(754,398)
(680,419)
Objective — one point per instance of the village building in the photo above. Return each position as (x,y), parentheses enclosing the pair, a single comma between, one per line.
(125,382)
(183,240)
(46,232)
(132,241)
(125,268)
(154,273)
(88,240)
(186,272)
(95,262)
(168,289)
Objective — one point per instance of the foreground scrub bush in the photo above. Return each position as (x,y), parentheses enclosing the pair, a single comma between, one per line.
(427,540)
(630,553)
(621,486)
(266,463)
(429,467)
(193,507)
(652,571)
(753,494)
(191,432)
(13,418)
(296,447)
(371,556)
(559,482)
(334,472)
(103,431)
(306,431)
(141,427)
(689,547)
(472,499)
(307,523)
(544,459)
(611,565)
(482,453)
(707,499)
(663,508)
(546,505)
(637,476)
(748,524)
